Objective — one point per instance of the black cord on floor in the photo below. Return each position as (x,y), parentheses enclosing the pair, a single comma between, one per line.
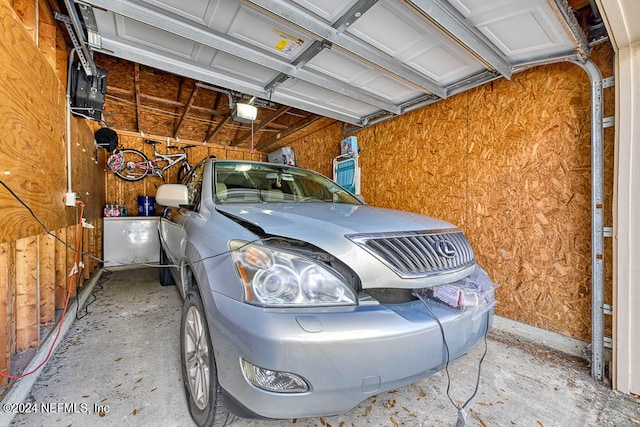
(103,278)
(460,408)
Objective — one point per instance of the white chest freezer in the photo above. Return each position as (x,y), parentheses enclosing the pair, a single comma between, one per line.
(131,240)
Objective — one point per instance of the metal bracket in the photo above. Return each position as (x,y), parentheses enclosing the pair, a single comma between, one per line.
(608,342)
(84,55)
(607,231)
(608,122)
(608,82)
(607,309)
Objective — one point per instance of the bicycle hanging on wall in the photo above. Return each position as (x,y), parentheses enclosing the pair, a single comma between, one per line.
(134,165)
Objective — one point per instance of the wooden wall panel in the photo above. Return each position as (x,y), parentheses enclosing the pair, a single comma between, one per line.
(319,149)
(62,57)
(532,206)
(72,259)
(5,311)
(47,278)
(34,267)
(27,294)
(61,269)
(87,166)
(47,32)
(509,163)
(27,11)
(97,243)
(88,248)
(32,126)
(11,299)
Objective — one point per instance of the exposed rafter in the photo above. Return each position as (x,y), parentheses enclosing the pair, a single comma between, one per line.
(112,90)
(226,119)
(216,106)
(179,96)
(192,98)
(136,82)
(299,125)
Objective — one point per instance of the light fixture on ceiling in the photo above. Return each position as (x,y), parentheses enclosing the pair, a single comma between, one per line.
(244,112)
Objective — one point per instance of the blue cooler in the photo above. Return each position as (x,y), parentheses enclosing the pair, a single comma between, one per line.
(146,206)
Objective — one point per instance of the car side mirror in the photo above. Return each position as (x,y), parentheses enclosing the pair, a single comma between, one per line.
(173,195)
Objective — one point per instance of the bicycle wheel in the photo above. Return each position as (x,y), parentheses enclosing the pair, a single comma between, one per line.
(129,164)
(185,167)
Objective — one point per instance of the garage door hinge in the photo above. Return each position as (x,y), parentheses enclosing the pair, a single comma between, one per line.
(607,231)
(608,82)
(607,309)
(608,122)
(608,342)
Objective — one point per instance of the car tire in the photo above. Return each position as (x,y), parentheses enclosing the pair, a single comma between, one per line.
(166,279)
(203,393)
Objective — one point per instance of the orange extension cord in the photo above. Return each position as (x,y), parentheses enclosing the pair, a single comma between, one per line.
(66,304)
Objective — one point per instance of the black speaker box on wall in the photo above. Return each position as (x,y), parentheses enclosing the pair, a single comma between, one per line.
(87,92)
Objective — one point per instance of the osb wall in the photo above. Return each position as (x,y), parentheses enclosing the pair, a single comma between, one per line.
(34,266)
(121,192)
(509,163)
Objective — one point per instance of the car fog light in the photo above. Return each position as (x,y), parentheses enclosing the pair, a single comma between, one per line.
(276,381)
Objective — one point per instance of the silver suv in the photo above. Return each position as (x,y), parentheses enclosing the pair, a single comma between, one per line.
(300,300)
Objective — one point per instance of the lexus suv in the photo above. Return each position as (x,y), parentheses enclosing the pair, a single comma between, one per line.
(300,300)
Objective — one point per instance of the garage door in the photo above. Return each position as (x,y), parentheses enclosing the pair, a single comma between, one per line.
(357,61)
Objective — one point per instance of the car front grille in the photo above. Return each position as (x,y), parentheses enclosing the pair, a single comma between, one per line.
(416,254)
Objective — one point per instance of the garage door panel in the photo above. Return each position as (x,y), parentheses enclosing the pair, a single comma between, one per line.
(322,97)
(390,28)
(197,11)
(532,35)
(329,10)
(469,8)
(522,30)
(444,64)
(267,34)
(390,89)
(241,68)
(339,66)
(142,34)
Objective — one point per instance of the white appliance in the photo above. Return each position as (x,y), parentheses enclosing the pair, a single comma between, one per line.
(131,240)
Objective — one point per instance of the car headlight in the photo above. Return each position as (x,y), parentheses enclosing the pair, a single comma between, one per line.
(274,277)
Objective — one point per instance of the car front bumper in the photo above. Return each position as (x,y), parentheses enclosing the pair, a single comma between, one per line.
(344,354)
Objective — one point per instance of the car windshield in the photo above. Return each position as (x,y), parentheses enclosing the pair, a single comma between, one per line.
(245,182)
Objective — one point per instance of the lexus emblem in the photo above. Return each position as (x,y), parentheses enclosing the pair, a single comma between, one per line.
(445,249)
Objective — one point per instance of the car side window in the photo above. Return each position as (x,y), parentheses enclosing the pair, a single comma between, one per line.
(194,185)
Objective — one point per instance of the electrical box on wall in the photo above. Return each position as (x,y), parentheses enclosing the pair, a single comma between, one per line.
(87,92)
(284,156)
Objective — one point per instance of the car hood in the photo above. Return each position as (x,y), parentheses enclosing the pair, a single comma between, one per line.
(326,226)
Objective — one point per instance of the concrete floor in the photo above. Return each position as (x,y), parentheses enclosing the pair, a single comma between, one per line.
(119,365)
